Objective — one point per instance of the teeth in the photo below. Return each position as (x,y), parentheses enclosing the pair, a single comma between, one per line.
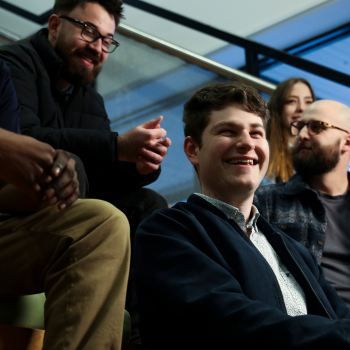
(88,59)
(248,161)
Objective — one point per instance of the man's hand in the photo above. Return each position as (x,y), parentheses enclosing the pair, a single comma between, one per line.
(146,164)
(144,145)
(38,170)
(24,162)
(64,187)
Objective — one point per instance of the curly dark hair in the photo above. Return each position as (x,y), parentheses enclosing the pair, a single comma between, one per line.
(197,110)
(114,7)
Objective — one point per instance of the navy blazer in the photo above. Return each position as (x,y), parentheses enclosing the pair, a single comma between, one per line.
(202,284)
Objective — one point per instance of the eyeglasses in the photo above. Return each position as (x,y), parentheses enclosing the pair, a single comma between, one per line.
(91,34)
(314,127)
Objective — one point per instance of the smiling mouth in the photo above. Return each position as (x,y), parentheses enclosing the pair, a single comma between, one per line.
(241,161)
(87,61)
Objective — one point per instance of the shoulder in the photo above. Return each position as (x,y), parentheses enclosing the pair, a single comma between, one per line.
(21,55)
(271,189)
(187,220)
(182,214)
(14,50)
(269,194)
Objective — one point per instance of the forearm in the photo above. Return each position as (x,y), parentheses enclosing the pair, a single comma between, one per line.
(13,200)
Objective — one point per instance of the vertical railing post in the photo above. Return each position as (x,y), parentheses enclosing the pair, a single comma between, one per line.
(251,62)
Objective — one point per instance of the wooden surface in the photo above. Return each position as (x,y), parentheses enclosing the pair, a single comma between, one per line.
(16,338)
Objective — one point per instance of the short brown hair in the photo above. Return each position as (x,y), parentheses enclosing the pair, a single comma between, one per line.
(197,110)
(113,7)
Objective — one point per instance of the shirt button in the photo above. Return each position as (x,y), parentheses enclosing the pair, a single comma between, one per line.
(283,226)
(320,242)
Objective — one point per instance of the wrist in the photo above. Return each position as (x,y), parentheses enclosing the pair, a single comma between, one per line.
(121,148)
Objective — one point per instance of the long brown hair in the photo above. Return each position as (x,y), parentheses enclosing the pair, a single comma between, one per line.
(276,133)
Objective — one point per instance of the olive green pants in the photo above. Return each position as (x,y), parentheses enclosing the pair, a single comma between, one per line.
(80,259)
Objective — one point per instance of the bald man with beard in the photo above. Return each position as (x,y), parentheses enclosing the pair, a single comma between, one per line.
(313,206)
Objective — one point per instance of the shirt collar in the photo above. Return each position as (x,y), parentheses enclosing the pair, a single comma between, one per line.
(295,185)
(233,213)
(68,92)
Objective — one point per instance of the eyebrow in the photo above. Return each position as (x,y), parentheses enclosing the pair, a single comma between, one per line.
(298,96)
(232,124)
(95,27)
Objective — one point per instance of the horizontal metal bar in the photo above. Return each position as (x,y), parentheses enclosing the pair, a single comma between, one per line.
(278,55)
(192,57)
(9,35)
(41,19)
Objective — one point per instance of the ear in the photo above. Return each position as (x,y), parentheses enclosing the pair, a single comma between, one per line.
(346,146)
(191,150)
(54,28)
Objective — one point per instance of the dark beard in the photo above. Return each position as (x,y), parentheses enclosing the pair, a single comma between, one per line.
(316,161)
(72,72)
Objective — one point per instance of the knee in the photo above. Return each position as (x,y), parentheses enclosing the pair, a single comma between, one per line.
(104,219)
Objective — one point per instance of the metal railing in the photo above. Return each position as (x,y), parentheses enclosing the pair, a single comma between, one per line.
(252,48)
(138,35)
(199,60)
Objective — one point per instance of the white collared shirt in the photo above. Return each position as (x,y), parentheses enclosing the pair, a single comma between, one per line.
(293,295)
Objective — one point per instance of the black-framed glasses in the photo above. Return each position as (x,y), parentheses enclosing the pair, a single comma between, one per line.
(314,127)
(91,34)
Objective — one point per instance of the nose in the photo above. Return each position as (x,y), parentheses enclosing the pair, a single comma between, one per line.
(97,45)
(304,134)
(245,142)
(302,106)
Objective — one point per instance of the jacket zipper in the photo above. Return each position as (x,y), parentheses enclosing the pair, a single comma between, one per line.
(302,272)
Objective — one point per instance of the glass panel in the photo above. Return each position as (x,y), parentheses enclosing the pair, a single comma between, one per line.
(136,90)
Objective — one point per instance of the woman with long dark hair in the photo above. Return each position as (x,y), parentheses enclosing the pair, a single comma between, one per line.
(286,105)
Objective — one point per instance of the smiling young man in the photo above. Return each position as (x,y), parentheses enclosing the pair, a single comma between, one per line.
(313,206)
(214,274)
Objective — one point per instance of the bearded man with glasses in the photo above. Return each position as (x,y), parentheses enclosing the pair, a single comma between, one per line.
(52,73)
(313,206)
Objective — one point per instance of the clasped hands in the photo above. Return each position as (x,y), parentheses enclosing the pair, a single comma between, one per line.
(45,174)
(145,145)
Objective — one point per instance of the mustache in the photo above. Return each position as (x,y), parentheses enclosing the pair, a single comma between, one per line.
(296,149)
(302,145)
(88,52)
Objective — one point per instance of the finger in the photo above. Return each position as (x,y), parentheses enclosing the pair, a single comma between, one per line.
(61,160)
(152,124)
(151,156)
(60,182)
(158,148)
(148,166)
(158,133)
(67,191)
(37,187)
(166,142)
(46,157)
(69,201)
(44,179)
